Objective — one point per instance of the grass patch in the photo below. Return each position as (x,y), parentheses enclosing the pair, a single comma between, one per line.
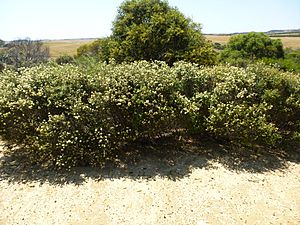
(65,47)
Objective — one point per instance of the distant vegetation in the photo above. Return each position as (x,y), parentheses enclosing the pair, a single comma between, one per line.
(155,75)
(285,33)
(24,53)
(246,48)
(64,59)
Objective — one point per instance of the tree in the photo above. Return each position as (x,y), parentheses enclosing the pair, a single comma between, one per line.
(25,53)
(251,47)
(152,30)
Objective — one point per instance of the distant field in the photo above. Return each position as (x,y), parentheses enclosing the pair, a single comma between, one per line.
(69,47)
(65,47)
(288,42)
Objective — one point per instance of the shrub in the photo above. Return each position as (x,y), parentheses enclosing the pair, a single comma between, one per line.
(282,92)
(225,104)
(80,115)
(250,47)
(64,59)
(72,116)
(290,62)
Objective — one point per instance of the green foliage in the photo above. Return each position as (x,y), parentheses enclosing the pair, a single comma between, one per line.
(152,30)
(100,49)
(243,48)
(282,92)
(64,59)
(218,46)
(70,116)
(223,102)
(80,115)
(290,62)
(24,53)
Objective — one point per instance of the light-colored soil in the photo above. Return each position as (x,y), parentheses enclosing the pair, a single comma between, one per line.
(185,188)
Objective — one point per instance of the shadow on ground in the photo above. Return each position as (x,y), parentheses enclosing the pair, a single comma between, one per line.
(165,157)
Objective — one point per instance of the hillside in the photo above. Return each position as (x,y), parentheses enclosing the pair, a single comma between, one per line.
(290,33)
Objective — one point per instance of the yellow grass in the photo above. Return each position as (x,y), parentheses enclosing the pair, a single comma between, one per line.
(216,38)
(65,47)
(288,42)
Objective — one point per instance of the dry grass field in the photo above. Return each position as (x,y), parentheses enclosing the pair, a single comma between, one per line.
(291,42)
(218,38)
(65,47)
(288,42)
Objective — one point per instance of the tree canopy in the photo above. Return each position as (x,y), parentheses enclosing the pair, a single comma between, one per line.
(153,30)
(252,46)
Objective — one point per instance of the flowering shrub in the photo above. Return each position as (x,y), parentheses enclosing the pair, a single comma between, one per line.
(78,115)
(257,105)
(73,115)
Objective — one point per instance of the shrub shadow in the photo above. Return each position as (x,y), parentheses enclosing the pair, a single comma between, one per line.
(164,157)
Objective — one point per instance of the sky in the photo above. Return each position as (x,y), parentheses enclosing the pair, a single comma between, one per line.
(67,19)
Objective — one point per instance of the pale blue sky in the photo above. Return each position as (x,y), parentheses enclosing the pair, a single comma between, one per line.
(56,19)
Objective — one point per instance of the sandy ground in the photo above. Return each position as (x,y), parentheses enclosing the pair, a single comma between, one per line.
(181,188)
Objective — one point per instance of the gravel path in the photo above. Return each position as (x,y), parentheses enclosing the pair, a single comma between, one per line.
(190,189)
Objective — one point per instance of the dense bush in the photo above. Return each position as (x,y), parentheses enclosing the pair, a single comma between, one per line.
(71,115)
(290,62)
(64,59)
(244,48)
(77,115)
(226,104)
